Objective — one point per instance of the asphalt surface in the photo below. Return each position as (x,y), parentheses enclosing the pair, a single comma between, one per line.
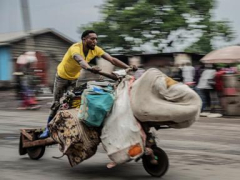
(208,150)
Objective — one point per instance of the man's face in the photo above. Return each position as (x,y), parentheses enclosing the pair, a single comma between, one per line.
(90,41)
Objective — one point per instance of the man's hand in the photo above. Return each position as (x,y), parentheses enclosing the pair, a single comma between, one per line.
(134,67)
(95,69)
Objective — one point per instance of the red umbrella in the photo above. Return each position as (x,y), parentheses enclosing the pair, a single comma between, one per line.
(225,55)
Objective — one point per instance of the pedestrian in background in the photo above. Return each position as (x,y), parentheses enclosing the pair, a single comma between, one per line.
(206,87)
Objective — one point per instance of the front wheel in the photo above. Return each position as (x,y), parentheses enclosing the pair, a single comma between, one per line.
(159,169)
(36,153)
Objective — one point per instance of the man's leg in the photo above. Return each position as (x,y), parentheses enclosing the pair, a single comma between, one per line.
(72,84)
(60,85)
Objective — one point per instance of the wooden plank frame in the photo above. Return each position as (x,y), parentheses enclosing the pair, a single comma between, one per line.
(28,139)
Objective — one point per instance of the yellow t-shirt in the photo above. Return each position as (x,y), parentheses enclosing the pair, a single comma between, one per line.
(69,68)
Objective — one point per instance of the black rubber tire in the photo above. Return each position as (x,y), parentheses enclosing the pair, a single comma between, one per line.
(161,168)
(36,153)
(21,150)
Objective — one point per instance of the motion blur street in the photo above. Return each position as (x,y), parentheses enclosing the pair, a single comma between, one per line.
(78,79)
(208,150)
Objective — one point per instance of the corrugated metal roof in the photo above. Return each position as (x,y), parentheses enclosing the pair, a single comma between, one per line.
(4,44)
(6,38)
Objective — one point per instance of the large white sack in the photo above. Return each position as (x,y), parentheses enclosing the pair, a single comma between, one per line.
(121,130)
(152,100)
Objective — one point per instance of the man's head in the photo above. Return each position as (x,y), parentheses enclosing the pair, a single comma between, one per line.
(89,39)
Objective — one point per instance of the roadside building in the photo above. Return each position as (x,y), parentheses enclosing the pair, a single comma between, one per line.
(49,45)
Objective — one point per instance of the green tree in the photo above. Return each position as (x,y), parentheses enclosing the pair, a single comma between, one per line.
(128,24)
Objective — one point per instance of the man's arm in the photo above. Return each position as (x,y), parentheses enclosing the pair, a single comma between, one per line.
(115,61)
(85,65)
(81,61)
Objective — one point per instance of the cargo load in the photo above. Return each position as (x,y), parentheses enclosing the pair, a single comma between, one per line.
(156,97)
(76,140)
(121,134)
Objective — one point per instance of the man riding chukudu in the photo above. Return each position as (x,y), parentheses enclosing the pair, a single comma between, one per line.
(77,57)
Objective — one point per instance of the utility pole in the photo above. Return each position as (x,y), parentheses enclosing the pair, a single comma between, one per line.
(27,25)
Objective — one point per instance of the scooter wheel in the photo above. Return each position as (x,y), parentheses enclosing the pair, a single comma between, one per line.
(36,153)
(156,170)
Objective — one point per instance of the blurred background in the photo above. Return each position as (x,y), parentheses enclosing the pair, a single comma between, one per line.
(175,36)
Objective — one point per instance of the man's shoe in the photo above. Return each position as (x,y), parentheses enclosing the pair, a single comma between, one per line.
(45,134)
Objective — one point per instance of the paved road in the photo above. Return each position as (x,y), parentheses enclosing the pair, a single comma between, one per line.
(209,150)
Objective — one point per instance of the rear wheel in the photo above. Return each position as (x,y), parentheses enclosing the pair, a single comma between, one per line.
(21,150)
(159,169)
(36,153)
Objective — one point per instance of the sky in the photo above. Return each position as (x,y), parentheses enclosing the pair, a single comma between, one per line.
(67,15)
(63,15)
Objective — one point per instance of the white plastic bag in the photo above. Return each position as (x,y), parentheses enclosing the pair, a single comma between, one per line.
(121,131)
